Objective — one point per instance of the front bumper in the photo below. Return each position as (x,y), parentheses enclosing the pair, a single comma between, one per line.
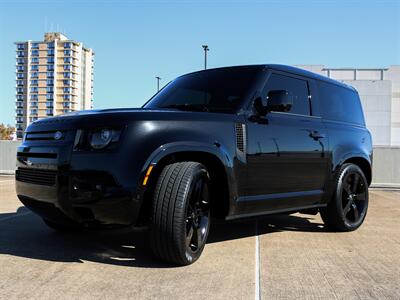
(92,189)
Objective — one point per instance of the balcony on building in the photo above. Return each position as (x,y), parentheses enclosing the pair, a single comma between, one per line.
(68,75)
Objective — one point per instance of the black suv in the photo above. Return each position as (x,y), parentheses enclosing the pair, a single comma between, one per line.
(225,143)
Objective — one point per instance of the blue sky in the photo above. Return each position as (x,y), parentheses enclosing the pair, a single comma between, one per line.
(135,41)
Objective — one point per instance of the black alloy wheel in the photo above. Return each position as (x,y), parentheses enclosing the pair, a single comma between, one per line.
(348,207)
(198,216)
(354,194)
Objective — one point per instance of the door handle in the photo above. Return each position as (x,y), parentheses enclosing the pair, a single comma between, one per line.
(316,135)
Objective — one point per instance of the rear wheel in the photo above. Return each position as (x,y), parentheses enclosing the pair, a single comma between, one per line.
(347,209)
(181,213)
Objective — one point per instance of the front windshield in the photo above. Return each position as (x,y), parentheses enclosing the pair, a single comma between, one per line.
(218,90)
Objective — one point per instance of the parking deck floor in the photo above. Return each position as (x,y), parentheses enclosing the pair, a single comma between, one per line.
(289,257)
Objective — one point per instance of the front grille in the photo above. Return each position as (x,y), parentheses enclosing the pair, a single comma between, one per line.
(35,154)
(44,136)
(36,176)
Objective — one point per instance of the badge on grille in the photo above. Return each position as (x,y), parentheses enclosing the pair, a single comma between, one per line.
(58,135)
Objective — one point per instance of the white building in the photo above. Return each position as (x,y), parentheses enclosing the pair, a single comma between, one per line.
(53,76)
(379,90)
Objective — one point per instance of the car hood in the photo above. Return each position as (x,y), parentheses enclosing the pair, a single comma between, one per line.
(120,116)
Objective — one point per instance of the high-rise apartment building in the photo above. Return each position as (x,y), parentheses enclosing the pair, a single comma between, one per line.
(53,76)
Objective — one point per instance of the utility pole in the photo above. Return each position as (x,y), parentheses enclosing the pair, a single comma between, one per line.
(205,47)
(158,83)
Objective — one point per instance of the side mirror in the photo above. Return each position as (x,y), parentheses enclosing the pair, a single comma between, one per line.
(279,100)
(260,108)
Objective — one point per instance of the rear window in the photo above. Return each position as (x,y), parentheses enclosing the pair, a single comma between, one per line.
(340,104)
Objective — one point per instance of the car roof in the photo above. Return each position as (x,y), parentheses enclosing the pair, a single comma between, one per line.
(302,72)
(287,69)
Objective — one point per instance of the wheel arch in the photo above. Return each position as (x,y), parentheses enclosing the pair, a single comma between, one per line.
(363,164)
(217,162)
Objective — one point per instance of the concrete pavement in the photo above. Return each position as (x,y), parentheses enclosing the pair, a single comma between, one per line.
(275,257)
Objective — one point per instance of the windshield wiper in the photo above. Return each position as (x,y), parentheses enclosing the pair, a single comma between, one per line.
(187,107)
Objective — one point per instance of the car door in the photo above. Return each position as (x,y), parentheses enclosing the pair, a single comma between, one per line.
(286,159)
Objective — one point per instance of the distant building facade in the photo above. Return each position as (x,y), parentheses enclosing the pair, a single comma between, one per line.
(379,91)
(53,76)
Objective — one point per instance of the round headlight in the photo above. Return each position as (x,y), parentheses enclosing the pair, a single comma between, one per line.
(100,139)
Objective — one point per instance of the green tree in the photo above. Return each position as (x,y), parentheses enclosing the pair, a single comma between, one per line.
(6,131)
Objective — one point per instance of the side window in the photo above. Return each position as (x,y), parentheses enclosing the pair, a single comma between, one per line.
(296,87)
(340,104)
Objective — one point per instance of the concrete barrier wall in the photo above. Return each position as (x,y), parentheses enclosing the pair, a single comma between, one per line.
(386,166)
(8,152)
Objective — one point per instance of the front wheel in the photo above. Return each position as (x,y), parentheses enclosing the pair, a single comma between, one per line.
(347,209)
(181,213)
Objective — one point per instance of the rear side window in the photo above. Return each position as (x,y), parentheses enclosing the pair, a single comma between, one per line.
(340,104)
(297,87)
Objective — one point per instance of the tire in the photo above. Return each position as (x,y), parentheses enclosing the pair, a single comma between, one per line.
(62,228)
(348,207)
(180,219)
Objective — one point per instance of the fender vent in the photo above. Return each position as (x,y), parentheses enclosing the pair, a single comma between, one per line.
(240,130)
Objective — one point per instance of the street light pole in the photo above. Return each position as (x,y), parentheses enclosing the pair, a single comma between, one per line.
(158,83)
(205,47)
